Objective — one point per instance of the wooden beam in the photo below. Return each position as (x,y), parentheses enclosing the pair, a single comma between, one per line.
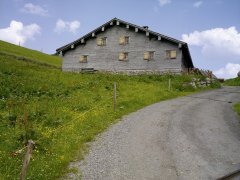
(103,28)
(27,159)
(136,29)
(114,96)
(159,38)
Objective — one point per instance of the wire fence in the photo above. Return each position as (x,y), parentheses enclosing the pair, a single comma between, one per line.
(109,102)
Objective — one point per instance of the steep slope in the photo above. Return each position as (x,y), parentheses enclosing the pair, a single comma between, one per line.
(26,54)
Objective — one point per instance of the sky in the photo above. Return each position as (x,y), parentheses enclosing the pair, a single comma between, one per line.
(210,27)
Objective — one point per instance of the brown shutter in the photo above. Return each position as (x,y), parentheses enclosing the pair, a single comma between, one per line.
(125,55)
(146,56)
(126,40)
(173,54)
(99,41)
(151,54)
(83,59)
(122,40)
(168,54)
(104,41)
(121,56)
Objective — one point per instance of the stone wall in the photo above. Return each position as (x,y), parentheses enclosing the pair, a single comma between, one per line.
(197,82)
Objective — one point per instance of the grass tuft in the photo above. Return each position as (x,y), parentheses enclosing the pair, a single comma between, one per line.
(237,108)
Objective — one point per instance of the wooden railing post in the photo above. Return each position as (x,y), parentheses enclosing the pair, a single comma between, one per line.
(169,84)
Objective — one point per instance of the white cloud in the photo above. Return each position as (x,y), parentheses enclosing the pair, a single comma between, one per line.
(64,26)
(229,71)
(197,4)
(217,49)
(218,40)
(164,2)
(34,9)
(73,26)
(17,32)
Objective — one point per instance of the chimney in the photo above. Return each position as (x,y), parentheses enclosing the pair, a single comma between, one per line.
(145,27)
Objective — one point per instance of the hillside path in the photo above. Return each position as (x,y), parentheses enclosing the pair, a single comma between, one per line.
(193,137)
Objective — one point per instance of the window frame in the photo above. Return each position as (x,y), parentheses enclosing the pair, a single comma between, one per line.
(103,41)
(83,59)
(123,40)
(125,54)
(150,55)
(169,54)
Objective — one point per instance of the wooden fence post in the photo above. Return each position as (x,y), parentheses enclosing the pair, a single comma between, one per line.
(115,96)
(169,84)
(27,159)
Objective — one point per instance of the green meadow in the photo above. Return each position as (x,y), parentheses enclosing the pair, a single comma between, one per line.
(62,111)
(18,52)
(232,82)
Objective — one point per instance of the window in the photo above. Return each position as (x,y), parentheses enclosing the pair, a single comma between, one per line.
(148,55)
(123,40)
(101,41)
(123,56)
(83,59)
(171,54)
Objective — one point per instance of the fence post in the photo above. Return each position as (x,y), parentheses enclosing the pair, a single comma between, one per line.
(115,96)
(27,159)
(169,85)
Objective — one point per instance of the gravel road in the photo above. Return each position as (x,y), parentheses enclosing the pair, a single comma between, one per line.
(193,137)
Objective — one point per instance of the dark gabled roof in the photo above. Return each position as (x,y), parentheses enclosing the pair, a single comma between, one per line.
(108,24)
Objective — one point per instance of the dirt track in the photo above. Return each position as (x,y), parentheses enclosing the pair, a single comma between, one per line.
(194,137)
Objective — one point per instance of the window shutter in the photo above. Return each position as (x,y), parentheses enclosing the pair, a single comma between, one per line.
(121,56)
(99,41)
(173,54)
(122,40)
(104,41)
(168,54)
(126,40)
(146,56)
(151,54)
(83,59)
(125,55)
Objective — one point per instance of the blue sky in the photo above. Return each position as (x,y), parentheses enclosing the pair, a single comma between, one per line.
(210,27)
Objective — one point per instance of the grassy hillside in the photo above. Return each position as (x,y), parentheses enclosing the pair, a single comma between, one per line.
(62,111)
(232,82)
(237,108)
(28,54)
